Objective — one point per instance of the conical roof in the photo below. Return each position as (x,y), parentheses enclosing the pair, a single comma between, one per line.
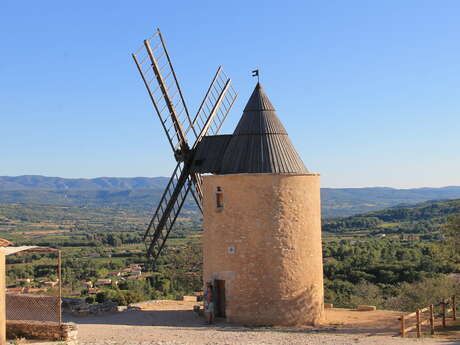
(260,143)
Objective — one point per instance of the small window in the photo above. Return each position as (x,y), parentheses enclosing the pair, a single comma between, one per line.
(219,198)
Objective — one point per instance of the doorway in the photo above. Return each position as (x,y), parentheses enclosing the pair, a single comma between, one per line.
(220,297)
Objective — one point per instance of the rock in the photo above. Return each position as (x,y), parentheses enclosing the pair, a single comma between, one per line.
(79,307)
(189,298)
(366,308)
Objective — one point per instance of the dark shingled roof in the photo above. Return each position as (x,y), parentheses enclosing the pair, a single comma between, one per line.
(260,143)
(209,153)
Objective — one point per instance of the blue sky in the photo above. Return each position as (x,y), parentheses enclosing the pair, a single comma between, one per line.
(368,90)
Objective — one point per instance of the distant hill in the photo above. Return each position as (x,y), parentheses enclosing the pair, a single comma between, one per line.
(37,182)
(348,201)
(144,193)
(421,219)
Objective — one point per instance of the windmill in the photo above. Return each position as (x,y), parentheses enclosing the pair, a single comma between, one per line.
(155,67)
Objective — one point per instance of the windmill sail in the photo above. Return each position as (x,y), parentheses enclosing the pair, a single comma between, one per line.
(167,211)
(154,65)
(215,106)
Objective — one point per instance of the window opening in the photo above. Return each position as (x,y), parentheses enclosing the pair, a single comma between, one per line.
(219,198)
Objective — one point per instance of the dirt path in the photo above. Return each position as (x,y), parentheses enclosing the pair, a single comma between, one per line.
(174,323)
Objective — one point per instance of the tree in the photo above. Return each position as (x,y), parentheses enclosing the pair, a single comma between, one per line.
(451,232)
(423,293)
(366,293)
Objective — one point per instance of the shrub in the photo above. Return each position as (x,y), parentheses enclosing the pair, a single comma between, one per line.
(422,294)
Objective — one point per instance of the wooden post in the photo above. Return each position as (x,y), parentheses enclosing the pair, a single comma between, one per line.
(432,319)
(2,298)
(60,289)
(419,326)
(403,330)
(444,307)
(454,307)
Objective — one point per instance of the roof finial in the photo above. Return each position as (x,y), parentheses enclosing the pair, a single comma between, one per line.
(255,73)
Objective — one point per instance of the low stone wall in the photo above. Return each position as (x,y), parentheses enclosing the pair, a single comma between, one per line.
(79,307)
(41,330)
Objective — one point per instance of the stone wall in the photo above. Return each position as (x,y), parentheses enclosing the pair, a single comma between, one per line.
(41,330)
(78,307)
(265,242)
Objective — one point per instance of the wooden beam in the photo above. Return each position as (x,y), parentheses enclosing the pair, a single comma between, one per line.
(169,104)
(152,98)
(175,79)
(403,328)
(60,288)
(432,319)
(419,324)
(454,308)
(211,116)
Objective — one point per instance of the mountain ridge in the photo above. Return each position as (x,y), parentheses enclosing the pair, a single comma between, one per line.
(39,182)
(21,182)
(145,192)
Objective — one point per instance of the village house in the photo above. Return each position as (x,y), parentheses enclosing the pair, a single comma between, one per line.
(15,290)
(133,277)
(100,282)
(51,283)
(22,281)
(136,273)
(88,284)
(92,291)
(135,267)
(126,271)
(34,290)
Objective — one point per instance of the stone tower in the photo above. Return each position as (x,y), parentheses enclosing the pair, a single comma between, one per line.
(262,224)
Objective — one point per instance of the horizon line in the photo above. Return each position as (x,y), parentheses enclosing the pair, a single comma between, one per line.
(151,177)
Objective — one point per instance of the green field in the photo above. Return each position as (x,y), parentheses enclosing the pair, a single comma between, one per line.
(378,255)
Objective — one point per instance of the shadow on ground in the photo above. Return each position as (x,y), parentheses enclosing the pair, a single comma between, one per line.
(166,318)
(375,325)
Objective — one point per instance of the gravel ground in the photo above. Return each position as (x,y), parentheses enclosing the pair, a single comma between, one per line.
(215,336)
(174,323)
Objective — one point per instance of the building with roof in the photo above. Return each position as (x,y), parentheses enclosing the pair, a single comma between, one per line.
(136,273)
(101,282)
(262,222)
(88,284)
(114,274)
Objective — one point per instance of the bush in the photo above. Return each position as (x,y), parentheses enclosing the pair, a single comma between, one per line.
(366,293)
(422,294)
(90,299)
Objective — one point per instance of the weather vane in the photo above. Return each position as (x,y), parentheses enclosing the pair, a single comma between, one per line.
(255,73)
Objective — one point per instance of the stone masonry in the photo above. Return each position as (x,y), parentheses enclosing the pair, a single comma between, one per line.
(265,242)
